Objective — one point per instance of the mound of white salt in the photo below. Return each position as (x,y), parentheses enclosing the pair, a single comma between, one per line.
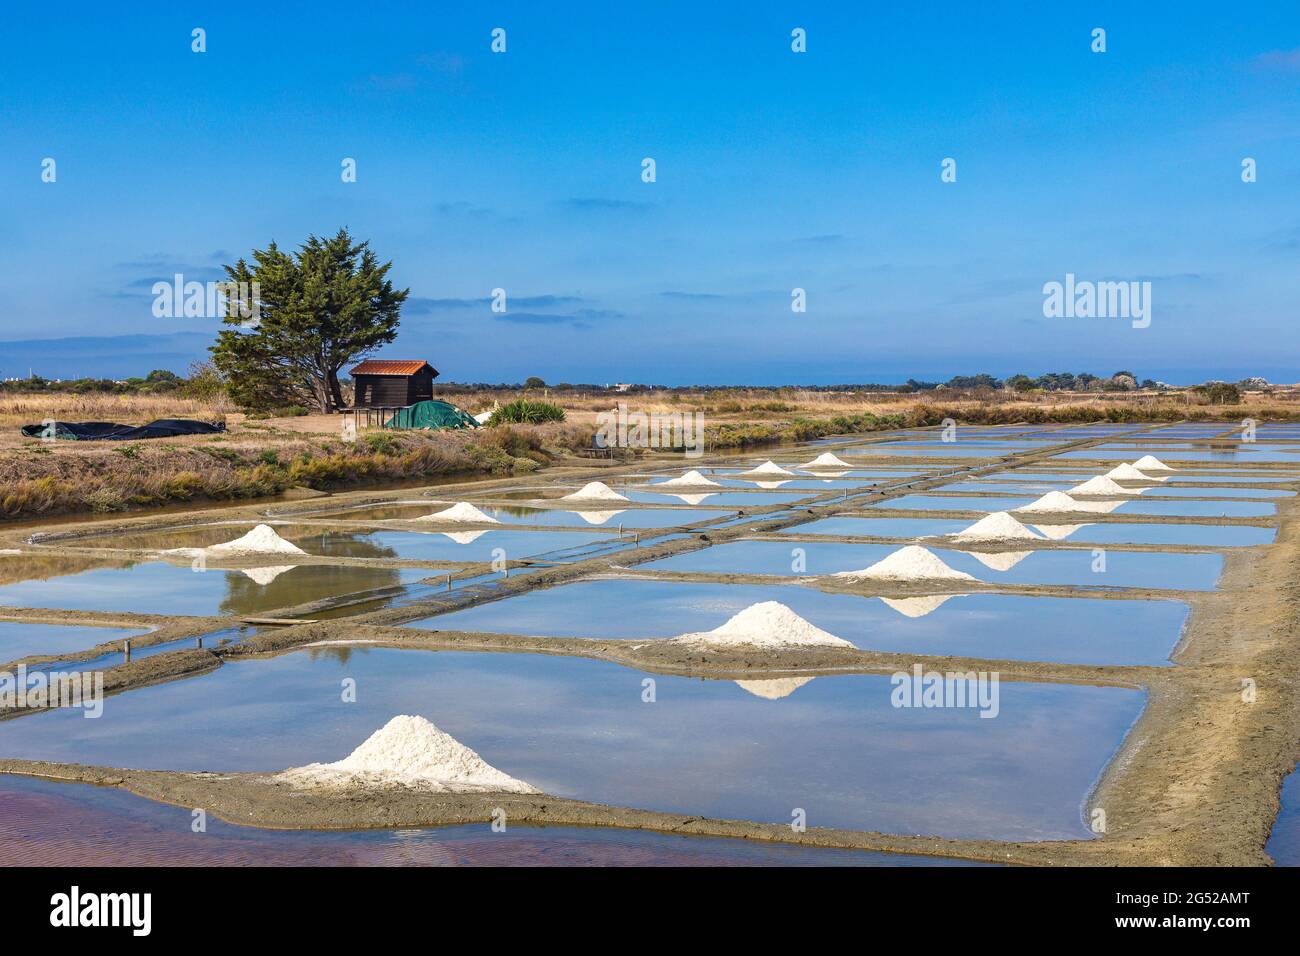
(768,624)
(1151,463)
(774,688)
(1127,472)
(918,606)
(826,460)
(768,468)
(1060,501)
(912,563)
(595,491)
(998,526)
(463,511)
(692,479)
(1101,485)
(261,540)
(408,752)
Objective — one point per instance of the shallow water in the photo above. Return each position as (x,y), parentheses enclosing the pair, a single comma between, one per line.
(1063,630)
(61,824)
(1199,509)
(1030,489)
(715,499)
(1235,477)
(1228,536)
(924,502)
(155,587)
(1284,842)
(1182,491)
(957,449)
(879,474)
(605,518)
(793,483)
(19,639)
(881,527)
(1195,572)
(835,748)
(1238,455)
(448,545)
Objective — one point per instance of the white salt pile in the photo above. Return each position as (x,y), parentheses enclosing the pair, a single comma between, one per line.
(1151,463)
(918,606)
(692,479)
(265,576)
(826,460)
(912,563)
(1060,501)
(261,540)
(408,752)
(1101,485)
(595,491)
(1001,560)
(768,468)
(464,511)
(998,526)
(597,517)
(1127,472)
(767,624)
(775,688)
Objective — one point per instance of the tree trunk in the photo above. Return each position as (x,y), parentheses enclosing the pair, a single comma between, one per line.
(336,391)
(321,388)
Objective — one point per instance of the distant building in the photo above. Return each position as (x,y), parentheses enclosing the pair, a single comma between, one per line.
(392,382)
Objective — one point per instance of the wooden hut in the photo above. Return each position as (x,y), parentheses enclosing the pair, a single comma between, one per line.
(392,383)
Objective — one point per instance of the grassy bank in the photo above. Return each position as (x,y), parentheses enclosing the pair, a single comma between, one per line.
(40,479)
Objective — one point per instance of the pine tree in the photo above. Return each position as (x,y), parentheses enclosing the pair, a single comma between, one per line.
(315,312)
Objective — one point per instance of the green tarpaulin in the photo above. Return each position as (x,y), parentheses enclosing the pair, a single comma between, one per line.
(431,415)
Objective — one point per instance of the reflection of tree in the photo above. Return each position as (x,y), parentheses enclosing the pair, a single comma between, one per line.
(517,511)
(36,566)
(312,582)
(340,652)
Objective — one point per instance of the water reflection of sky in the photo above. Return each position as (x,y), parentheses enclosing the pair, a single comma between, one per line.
(1130,569)
(835,748)
(1066,630)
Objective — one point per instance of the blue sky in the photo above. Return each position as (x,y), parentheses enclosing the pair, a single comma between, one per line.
(775,170)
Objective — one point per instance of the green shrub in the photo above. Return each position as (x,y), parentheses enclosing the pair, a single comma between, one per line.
(526,411)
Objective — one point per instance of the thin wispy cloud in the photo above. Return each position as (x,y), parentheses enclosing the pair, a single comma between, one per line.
(419,305)
(582,318)
(1281,61)
(599,204)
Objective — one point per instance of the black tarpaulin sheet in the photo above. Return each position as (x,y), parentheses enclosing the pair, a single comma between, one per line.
(111,431)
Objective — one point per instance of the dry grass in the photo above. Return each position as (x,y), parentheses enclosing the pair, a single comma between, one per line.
(266,457)
(21,409)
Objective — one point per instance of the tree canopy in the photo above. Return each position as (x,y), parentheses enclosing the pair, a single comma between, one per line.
(314,312)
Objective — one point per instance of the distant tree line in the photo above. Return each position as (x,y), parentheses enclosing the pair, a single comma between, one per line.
(159,381)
